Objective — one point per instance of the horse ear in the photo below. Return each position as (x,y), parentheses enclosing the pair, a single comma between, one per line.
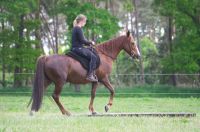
(128,33)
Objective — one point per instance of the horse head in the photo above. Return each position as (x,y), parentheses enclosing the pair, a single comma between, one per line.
(130,46)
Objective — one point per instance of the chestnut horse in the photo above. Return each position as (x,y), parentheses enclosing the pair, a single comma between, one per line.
(59,69)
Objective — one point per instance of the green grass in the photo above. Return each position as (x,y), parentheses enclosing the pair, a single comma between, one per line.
(14,116)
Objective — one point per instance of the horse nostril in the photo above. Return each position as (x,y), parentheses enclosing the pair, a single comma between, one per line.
(137,56)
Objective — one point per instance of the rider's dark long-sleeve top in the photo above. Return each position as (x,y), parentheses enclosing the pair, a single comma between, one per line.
(78,39)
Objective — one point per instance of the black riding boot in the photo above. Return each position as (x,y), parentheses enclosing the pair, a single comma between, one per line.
(92,77)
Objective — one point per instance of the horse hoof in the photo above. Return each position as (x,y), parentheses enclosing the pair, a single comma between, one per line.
(94,113)
(67,114)
(31,113)
(106,108)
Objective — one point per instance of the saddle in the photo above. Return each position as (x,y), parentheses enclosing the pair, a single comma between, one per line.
(84,62)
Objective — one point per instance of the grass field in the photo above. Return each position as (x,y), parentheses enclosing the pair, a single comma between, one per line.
(14,116)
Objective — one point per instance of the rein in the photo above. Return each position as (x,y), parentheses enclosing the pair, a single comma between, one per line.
(114,58)
(106,54)
(132,54)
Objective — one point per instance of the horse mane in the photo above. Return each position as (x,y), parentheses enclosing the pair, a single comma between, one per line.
(111,46)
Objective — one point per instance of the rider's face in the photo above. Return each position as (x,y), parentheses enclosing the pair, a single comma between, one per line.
(83,22)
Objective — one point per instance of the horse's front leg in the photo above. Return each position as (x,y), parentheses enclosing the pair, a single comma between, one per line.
(108,85)
(93,94)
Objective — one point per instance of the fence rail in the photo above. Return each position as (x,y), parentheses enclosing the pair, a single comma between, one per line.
(180,79)
(121,74)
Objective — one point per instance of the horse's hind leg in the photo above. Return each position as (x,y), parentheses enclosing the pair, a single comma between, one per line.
(56,94)
(47,82)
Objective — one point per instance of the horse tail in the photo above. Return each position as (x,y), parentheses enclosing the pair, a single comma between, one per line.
(38,87)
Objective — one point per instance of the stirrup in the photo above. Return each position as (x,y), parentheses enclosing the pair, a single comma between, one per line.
(91,78)
(95,76)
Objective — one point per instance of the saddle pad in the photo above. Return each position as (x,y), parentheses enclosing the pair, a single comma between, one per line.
(84,62)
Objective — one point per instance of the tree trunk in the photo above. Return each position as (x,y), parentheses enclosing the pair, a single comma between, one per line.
(132,27)
(93,36)
(3,75)
(170,28)
(38,30)
(106,4)
(112,7)
(55,23)
(3,61)
(142,80)
(18,71)
(49,33)
(199,79)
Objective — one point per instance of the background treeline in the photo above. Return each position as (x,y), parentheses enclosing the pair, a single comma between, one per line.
(167,32)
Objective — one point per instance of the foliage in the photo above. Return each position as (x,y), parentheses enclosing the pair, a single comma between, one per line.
(185,50)
(18,41)
(20,25)
(128,5)
(101,25)
(150,53)
(17,47)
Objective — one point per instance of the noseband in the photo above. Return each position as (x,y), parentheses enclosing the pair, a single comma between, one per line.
(132,51)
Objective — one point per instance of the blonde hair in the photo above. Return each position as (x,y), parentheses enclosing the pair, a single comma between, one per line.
(79,18)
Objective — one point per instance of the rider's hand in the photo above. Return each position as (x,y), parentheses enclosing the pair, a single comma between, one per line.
(93,43)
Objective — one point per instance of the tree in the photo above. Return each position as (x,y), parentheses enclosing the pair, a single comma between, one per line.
(100,21)
(183,35)
(17,32)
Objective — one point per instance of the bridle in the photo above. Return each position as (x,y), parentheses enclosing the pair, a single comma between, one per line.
(132,51)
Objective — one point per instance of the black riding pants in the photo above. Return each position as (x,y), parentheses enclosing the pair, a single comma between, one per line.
(89,55)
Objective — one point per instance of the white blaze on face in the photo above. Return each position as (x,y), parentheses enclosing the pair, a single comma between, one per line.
(136,47)
(138,52)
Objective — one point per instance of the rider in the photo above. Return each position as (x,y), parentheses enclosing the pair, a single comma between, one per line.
(78,42)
